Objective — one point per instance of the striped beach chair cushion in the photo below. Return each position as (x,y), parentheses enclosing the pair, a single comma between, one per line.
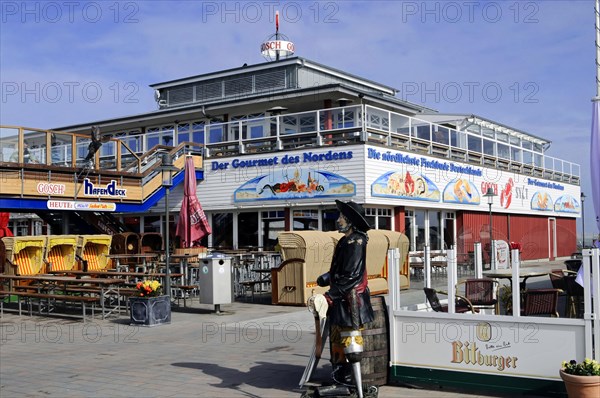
(56,258)
(90,254)
(24,263)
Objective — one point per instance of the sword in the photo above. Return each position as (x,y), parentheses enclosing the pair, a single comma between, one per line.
(317,304)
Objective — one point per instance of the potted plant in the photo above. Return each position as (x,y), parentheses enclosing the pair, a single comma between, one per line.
(582,379)
(505,296)
(149,307)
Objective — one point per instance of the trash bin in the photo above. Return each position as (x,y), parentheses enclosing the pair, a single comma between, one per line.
(214,280)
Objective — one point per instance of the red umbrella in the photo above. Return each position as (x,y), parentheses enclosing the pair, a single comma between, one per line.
(4,231)
(192,225)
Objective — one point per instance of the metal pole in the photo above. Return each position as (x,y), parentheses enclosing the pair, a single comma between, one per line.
(582,221)
(492,256)
(167,246)
(597,12)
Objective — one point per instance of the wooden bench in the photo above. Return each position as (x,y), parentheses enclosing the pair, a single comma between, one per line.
(43,296)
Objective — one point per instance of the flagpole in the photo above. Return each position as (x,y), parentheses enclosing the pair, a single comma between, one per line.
(595,139)
(597,12)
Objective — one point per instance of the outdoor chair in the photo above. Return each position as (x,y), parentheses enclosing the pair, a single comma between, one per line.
(574,296)
(482,293)
(557,279)
(573,264)
(540,302)
(462,304)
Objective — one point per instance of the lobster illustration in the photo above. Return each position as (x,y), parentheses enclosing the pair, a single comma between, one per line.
(506,194)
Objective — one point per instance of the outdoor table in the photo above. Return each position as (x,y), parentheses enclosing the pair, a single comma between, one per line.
(507,274)
(106,285)
(264,276)
(144,257)
(184,266)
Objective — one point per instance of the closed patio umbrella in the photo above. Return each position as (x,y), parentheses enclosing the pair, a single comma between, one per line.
(192,225)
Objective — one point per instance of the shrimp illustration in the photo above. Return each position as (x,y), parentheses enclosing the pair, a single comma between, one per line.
(542,201)
(462,190)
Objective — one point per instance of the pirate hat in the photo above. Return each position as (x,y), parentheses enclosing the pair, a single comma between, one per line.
(355,213)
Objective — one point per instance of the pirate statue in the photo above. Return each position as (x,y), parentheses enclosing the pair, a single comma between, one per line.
(348,295)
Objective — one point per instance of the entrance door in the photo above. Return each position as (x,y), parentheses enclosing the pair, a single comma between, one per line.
(551,239)
(430,227)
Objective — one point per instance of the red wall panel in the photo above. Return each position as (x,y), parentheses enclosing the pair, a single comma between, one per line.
(530,231)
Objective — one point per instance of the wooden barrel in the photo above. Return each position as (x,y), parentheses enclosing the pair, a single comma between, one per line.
(374,365)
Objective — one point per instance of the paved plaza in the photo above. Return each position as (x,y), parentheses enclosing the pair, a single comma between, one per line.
(251,349)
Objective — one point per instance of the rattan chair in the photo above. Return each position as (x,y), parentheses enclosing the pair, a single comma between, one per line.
(462,304)
(540,302)
(482,293)
(557,279)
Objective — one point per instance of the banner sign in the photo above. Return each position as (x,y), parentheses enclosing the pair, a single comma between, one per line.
(81,206)
(424,178)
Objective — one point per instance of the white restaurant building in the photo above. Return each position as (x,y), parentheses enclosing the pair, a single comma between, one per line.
(284,139)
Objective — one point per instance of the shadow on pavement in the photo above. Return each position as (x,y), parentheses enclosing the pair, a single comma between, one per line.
(263,376)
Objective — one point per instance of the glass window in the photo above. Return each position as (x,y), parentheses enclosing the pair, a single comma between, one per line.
(527,157)
(515,154)
(526,144)
(435,236)
(152,224)
(420,227)
(328,219)
(183,132)
(222,230)
(216,133)
(133,223)
(441,135)
(424,132)
(384,222)
(408,228)
(488,132)
(448,231)
(345,119)
(167,134)
(273,223)
(400,124)
(152,138)
(198,132)
(21,228)
(61,149)
(308,123)
(371,216)
(474,130)
(247,230)
(458,139)
(503,151)
(305,220)
(474,144)
(502,137)
(489,147)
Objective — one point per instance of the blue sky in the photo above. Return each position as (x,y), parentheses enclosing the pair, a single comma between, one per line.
(526,64)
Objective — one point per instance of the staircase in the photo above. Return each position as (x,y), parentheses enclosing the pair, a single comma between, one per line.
(83,223)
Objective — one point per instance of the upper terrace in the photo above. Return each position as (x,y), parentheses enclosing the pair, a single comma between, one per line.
(476,141)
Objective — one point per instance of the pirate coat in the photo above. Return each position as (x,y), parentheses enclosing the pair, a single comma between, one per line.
(348,282)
